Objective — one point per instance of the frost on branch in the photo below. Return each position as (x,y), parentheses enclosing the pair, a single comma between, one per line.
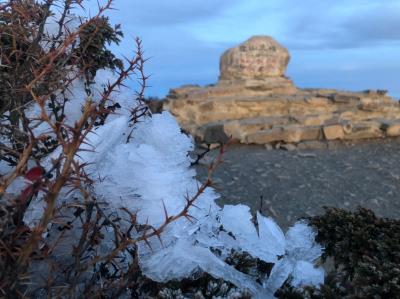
(151,175)
(152,172)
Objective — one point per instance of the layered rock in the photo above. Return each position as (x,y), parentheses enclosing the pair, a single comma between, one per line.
(254,102)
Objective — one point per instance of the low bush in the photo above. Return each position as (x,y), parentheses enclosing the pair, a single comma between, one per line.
(365,252)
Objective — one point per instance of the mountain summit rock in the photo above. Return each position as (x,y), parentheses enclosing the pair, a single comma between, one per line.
(255,103)
(257,58)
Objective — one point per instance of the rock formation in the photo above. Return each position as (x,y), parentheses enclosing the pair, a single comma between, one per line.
(254,103)
(259,57)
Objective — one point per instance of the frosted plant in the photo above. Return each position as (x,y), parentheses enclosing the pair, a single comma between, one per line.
(152,171)
(151,175)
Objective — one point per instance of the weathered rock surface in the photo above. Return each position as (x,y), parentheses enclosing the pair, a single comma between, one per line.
(259,57)
(254,102)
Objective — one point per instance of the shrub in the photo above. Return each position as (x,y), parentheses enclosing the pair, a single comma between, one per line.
(365,251)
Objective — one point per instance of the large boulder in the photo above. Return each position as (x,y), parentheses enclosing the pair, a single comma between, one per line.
(257,58)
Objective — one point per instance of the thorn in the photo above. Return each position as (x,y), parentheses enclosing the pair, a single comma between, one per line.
(165,210)
(147,243)
(195,206)
(190,218)
(158,234)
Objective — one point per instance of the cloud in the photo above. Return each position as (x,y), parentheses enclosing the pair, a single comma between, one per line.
(155,13)
(177,56)
(326,39)
(379,25)
(342,24)
(176,59)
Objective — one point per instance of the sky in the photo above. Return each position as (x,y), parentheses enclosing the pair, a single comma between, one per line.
(349,45)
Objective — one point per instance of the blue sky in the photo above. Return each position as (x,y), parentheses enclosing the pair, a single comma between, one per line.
(342,44)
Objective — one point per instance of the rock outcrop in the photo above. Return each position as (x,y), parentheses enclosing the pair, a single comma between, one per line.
(254,103)
(257,58)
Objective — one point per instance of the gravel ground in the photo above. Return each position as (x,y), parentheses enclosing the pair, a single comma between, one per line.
(288,185)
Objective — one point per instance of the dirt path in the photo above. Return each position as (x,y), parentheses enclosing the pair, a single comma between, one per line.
(293,184)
